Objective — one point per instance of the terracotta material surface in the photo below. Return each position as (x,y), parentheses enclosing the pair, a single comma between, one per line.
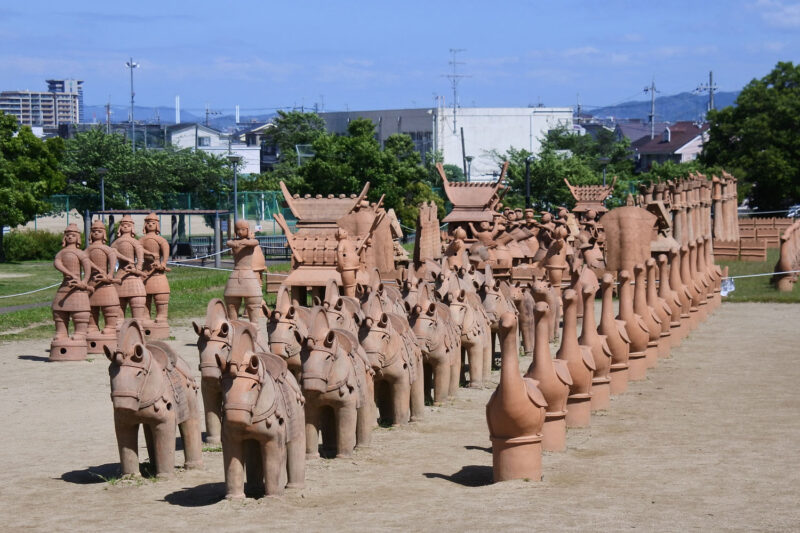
(647,313)
(590,197)
(104,298)
(156,285)
(616,338)
(153,387)
(635,327)
(130,255)
(789,259)
(601,353)
(515,415)
(579,362)
(243,286)
(263,429)
(628,231)
(428,242)
(554,382)
(71,301)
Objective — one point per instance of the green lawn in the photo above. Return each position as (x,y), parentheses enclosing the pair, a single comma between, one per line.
(191,289)
(757,289)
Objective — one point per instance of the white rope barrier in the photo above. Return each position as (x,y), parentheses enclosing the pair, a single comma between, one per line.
(31,292)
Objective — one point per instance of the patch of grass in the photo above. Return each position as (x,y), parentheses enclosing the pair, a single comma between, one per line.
(213,448)
(757,289)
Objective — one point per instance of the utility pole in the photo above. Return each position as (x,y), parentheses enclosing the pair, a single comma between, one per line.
(210,112)
(652,90)
(708,87)
(108,116)
(454,78)
(131,65)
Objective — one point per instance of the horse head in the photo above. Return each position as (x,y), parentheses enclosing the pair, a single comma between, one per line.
(245,397)
(425,323)
(213,338)
(325,364)
(136,381)
(287,333)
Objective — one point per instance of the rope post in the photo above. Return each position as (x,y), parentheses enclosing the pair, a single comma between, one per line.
(112,235)
(217,241)
(87,227)
(174,236)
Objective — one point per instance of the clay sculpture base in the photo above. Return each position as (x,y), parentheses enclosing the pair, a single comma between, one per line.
(156,330)
(95,342)
(509,454)
(579,411)
(637,366)
(601,394)
(68,350)
(651,354)
(675,333)
(619,375)
(554,432)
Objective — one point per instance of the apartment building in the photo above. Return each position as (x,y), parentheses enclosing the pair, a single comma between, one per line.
(61,104)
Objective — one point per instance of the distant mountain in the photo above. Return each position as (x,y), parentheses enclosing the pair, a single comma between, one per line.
(682,106)
(166,115)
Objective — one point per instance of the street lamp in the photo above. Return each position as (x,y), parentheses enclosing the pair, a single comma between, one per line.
(235,159)
(102,171)
(469,159)
(131,65)
(528,160)
(604,161)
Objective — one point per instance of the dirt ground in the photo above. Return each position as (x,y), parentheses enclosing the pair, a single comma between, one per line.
(708,442)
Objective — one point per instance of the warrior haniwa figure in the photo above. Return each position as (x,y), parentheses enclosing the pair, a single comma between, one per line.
(131,256)
(156,255)
(72,298)
(244,283)
(104,298)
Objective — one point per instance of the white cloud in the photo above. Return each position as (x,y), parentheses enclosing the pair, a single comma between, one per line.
(778,13)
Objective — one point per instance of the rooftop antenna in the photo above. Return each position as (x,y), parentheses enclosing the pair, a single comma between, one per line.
(710,88)
(652,90)
(455,78)
(210,112)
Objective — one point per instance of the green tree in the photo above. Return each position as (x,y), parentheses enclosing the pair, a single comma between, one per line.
(29,173)
(757,138)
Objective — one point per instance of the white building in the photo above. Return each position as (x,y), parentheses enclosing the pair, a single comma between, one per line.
(486,130)
(199,137)
(61,104)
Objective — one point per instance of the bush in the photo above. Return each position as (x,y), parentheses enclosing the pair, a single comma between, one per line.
(29,245)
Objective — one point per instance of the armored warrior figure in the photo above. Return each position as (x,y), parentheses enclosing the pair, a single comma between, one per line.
(347,262)
(156,285)
(104,298)
(131,256)
(244,283)
(72,299)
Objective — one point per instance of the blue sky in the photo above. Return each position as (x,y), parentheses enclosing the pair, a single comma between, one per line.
(380,54)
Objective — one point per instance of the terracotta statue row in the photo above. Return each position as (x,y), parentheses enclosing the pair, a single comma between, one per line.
(102,279)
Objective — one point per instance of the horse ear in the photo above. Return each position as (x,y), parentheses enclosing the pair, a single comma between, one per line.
(108,352)
(298,337)
(290,312)
(461,295)
(197,328)
(431,309)
(339,304)
(224,329)
(329,338)
(316,301)
(417,309)
(448,298)
(138,353)
(384,320)
(408,307)
(369,322)
(265,309)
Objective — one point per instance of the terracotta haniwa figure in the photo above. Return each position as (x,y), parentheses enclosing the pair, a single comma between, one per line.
(637,330)
(616,338)
(244,285)
(104,298)
(648,315)
(72,299)
(554,382)
(156,255)
(130,255)
(601,354)
(455,250)
(660,307)
(347,262)
(152,386)
(263,428)
(681,292)
(579,362)
(515,414)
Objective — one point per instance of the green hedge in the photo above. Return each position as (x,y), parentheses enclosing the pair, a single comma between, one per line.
(29,245)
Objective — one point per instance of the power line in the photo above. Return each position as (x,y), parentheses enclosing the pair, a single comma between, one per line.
(652,90)
(455,78)
(710,88)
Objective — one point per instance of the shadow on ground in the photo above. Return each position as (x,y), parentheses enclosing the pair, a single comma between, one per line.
(199,496)
(468,476)
(38,358)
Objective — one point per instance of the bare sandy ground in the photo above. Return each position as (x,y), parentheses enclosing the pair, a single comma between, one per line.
(708,442)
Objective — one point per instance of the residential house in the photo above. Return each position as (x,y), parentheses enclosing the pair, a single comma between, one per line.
(680,143)
(256,136)
(199,137)
(634,129)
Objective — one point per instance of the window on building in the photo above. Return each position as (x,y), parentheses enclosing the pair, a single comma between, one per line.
(204,141)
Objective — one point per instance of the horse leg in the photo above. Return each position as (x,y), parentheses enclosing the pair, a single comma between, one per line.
(441,381)
(346,421)
(164,443)
(212,403)
(232,458)
(128,444)
(192,443)
(455,374)
(151,447)
(311,409)
(401,399)
(418,393)
(486,348)
(273,457)
(296,460)
(475,356)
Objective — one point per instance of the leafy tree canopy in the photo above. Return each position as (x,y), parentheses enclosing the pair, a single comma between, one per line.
(758,137)
(29,173)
